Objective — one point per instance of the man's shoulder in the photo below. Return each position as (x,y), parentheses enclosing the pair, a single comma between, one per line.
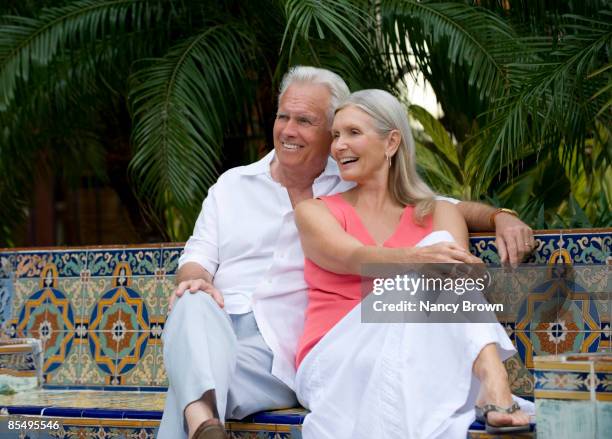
(253,169)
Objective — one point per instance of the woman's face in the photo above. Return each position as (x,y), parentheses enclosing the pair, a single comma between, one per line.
(357,147)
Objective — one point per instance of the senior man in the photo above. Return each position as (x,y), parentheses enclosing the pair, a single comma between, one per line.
(230,352)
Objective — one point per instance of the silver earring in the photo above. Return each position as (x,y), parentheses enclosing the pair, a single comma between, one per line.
(388,158)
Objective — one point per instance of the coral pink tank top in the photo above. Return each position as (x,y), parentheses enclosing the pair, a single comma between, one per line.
(331,296)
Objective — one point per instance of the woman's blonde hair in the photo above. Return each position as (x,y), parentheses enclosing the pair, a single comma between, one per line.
(405,185)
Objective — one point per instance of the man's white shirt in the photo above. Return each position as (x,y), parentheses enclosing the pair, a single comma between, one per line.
(245,236)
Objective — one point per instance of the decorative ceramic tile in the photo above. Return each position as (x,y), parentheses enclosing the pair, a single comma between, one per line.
(68,370)
(580,342)
(7,264)
(154,291)
(30,264)
(93,289)
(170,257)
(159,372)
(58,349)
(605,342)
(119,321)
(90,374)
(122,400)
(23,289)
(574,377)
(156,330)
(511,287)
(483,435)
(118,303)
(7,292)
(142,373)
(48,315)
(105,428)
(103,350)
(66,263)
(143,261)
(131,349)
(484,247)
(588,248)
(22,359)
(520,378)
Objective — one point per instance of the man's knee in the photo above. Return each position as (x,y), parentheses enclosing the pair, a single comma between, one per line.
(191,309)
(194,303)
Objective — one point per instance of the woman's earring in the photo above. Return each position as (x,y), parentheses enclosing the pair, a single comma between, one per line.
(388,158)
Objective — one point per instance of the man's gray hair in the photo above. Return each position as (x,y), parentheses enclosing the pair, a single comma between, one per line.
(338,89)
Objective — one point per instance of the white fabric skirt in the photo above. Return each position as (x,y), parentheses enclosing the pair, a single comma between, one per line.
(394,380)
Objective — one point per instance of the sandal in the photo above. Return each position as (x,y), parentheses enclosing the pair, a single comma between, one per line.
(481,416)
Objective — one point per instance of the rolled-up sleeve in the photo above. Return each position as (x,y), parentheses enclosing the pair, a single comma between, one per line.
(203,246)
(449,199)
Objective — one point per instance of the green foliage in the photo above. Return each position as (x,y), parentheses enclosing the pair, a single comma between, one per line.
(182,88)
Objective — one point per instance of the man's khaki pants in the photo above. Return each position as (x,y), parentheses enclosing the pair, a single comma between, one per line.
(205,349)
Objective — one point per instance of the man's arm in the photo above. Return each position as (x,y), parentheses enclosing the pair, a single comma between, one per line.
(514,238)
(192,271)
(193,277)
(200,256)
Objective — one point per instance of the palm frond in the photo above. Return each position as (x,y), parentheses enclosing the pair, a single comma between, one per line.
(26,43)
(181,104)
(340,18)
(556,100)
(468,35)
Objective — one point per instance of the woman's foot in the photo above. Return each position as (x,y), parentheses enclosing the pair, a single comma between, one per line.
(495,390)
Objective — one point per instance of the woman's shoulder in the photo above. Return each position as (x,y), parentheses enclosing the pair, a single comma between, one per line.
(444,207)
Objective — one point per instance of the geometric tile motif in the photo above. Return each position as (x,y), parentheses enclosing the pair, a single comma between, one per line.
(558,316)
(574,377)
(119,326)
(48,316)
(562,381)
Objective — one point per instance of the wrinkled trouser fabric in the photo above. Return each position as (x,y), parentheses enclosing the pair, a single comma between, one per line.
(205,348)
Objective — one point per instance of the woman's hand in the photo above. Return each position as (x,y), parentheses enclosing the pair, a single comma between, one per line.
(442,252)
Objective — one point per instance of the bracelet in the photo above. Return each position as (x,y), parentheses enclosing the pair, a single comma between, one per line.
(498,211)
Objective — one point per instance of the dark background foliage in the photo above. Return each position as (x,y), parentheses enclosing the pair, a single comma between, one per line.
(117,115)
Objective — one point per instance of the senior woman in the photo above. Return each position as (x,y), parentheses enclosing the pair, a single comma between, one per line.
(389,380)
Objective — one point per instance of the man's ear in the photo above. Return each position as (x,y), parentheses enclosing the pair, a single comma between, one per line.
(393,142)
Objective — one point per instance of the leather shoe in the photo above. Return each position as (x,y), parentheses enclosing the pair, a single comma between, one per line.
(211,429)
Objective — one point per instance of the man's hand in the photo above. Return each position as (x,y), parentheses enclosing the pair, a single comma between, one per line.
(193,286)
(514,238)
(442,252)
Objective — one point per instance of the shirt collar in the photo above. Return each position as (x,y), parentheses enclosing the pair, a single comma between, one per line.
(262,166)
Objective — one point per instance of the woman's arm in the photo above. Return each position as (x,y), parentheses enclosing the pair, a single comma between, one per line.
(447,216)
(329,246)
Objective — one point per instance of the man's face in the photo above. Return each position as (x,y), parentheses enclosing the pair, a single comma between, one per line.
(302,136)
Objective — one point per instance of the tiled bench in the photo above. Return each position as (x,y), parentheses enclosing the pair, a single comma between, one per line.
(100,312)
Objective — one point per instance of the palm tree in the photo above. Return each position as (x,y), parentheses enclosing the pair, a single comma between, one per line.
(534,130)
(179,86)
(190,73)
